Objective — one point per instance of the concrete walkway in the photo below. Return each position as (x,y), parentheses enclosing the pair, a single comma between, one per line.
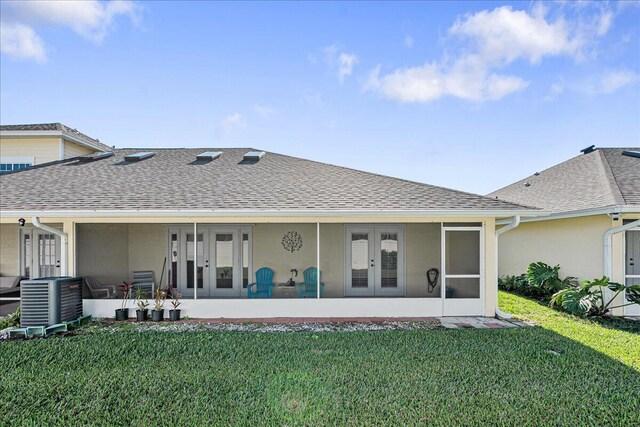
(480,323)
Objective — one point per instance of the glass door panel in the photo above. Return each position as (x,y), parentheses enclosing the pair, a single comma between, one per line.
(224,260)
(185,267)
(48,255)
(360,262)
(389,246)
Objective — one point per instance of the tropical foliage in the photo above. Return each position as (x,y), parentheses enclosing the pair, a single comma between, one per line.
(591,298)
(540,281)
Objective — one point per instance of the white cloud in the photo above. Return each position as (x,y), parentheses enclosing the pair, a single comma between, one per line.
(346,62)
(336,58)
(265,110)
(90,19)
(21,42)
(231,123)
(491,40)
(611,81)
(409,41)
(555,90)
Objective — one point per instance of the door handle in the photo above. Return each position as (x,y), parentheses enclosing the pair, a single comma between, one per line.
(206,263)
(58,264)
(372,263)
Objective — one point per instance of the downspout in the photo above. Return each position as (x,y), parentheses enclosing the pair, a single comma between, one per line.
(514,223)
(64,242)
(607,244)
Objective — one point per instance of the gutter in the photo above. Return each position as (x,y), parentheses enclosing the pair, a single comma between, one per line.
(276,213)
(64,240)
(514,223)
(609,210)
(607,244)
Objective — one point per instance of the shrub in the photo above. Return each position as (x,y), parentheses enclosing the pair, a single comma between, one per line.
(11,320)
(588,299)
(540,281)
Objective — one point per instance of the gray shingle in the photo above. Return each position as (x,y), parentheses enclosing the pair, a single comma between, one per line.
(601,178)
(174,179)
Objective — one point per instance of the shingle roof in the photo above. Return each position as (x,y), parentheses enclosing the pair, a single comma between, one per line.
(601,178)
(54,127)
(173,179)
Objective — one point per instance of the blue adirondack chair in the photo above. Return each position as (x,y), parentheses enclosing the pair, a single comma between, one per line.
(263,286)
(309,288)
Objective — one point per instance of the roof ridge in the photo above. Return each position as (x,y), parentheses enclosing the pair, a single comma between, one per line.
(611,178)
(424,184)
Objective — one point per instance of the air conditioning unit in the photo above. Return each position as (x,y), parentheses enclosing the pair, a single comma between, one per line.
(50,300)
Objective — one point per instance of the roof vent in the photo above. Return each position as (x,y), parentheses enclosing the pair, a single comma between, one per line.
(588,150)
(537,173)
(527,184)
(139,156)
(631,153)
(99,156)
(253,156)
(209,155)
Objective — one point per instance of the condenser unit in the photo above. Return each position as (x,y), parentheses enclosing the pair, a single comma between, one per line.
(50,300)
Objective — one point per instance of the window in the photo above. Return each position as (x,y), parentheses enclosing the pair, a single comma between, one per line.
(8,167)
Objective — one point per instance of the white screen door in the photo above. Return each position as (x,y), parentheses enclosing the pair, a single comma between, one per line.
(374,261)
(462,271)
(632,267)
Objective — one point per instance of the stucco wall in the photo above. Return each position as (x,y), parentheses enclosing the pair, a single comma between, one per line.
(9,250)
(103,252)
(42,149)
(74,150)
(575,244)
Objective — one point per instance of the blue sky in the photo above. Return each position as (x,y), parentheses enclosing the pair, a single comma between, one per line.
(465,95)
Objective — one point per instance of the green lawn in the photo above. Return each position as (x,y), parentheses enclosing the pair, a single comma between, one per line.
(563,372)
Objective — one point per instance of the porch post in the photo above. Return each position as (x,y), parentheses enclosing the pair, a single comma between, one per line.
(69,227)
(318,259)
(195,261)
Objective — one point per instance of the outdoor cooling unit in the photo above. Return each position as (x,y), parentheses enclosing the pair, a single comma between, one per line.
(50,300)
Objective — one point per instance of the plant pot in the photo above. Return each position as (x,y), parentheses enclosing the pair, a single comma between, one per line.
(174,315)
(157,315)
(122,314)
(141,315)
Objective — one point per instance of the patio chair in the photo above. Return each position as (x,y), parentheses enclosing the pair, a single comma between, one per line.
(263,286)
(309,288)
(144,280)
(98,290)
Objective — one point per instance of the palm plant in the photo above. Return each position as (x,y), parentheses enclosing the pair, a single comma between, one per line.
(544,280)
(588,299)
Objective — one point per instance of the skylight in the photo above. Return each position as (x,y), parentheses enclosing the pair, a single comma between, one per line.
(209,155)
(99,156)
(254,156)
(631,153)
(139,156)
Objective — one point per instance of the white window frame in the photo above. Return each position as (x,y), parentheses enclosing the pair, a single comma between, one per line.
(627,309)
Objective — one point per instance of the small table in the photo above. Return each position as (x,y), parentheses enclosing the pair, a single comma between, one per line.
(285,290)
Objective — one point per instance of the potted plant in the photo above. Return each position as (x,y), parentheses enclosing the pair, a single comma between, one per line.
(142,303)
(157,314)
(174,315)
(122,313)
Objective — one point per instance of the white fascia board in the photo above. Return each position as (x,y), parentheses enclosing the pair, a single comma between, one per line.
(203,213)
(56,133)
(619,209)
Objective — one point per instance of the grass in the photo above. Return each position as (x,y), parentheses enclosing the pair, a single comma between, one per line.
(564,372)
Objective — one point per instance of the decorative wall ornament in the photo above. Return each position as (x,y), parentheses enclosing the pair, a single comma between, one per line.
(292,241)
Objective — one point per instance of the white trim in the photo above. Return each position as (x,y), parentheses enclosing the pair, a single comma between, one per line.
(629,310)
(61,149)
(298,213)
(61,134)
(232,308)
(18,159)
(318,260)
(610,210)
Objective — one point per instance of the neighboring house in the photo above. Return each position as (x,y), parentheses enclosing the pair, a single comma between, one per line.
(594,201)
(373,237)
(22,146)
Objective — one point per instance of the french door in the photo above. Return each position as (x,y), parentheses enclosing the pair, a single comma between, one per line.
(462,276)
(39,253)
(374,261)
(632,267)
(214,264)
